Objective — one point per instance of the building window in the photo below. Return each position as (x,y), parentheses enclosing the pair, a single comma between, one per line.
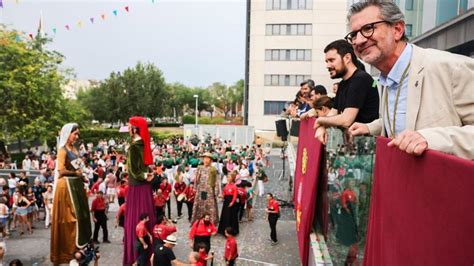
(285,80)
(409,30)
(288,29)
(289,4)
(288,55)
(273,107)
(409,5)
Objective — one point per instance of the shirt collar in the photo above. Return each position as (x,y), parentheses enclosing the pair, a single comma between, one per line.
(395,74)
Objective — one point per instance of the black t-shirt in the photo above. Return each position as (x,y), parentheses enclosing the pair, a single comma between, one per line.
(359,91)
(163,256)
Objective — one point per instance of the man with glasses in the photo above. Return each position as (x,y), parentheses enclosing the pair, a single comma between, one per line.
(428,95)
(357,99)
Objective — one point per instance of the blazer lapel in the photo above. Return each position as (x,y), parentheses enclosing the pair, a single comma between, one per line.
(415,86)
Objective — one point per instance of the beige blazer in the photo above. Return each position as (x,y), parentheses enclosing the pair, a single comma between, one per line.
(440,101)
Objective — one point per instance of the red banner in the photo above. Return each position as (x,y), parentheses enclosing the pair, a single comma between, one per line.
(421,209)
(310,154)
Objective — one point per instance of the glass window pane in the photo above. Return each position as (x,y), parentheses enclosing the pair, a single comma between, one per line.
(294,4)
(301,29)
(268,80)
(301,4)
(294,29)
(268,55)
(281,80)
(276,29)
(307,76)
(292,80)
(282,29)
(307,55)
(275,80)
(276,4)
(288,29)
(309,4)
(309,29)
(268,29)
(287,80)
(293,55)
(275,55)
(269,4)
(300,55)
(266,108)
(287,55)
(282,55)
(283,4)
(299,79)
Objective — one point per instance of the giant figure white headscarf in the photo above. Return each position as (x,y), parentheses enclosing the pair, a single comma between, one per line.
(62,140)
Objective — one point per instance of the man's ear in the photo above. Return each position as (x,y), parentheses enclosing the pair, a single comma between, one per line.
(399,30)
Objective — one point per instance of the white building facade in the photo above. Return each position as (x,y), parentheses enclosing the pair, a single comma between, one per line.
(285,43)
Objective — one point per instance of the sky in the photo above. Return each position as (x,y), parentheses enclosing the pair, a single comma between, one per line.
(194,42)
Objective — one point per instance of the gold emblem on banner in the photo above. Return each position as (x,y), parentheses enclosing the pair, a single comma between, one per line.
(304,161)
(299,213)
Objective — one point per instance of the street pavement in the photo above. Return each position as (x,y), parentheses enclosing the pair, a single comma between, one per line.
(253,241)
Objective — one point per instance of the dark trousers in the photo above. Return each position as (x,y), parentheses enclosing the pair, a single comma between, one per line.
(231,262)
(101,222)
(121,200)
(143,254)
(159,211)
(190,209)
(168,204)
(272,220)
(241,210)
(202,239)
(180,206)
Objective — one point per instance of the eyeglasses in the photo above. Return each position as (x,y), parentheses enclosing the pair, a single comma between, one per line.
(367,31)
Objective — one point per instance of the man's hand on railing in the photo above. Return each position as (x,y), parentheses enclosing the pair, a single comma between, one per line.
(322,135)
(358,129)
(410,142)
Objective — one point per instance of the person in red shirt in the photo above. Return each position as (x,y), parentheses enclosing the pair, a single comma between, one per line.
(190,193)
(229,207)
(159,201)
(144,240)
(99,217)
(231,252)
(202,255)
(95,187)
(201,231)
(242,194)
(166,189)
(179,187)
(273,211)
(120,217)
(122,190)
(161,230)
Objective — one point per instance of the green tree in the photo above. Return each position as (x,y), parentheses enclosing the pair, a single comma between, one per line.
(33,105)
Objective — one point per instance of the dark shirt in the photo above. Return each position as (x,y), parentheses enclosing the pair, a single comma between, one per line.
(163,256)
(359,91)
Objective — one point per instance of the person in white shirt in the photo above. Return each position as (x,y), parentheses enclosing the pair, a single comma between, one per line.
(26,165)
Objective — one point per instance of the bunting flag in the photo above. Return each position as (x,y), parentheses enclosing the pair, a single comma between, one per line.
(92,20)
(1,3)
(126,8)
(102,16)
(17,38)
(67,27)
(54,30)
(115,12)
(79,24)
(31,35)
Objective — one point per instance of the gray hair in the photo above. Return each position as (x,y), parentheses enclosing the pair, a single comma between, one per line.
(389,11)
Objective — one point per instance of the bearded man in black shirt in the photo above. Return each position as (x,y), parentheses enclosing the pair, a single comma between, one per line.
(357,97)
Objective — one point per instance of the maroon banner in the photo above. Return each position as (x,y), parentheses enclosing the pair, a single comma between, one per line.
(306,184)
(421,209)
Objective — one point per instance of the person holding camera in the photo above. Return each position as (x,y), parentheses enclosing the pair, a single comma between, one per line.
(82,257)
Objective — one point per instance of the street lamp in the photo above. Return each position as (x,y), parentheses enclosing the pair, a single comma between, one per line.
(196,111)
